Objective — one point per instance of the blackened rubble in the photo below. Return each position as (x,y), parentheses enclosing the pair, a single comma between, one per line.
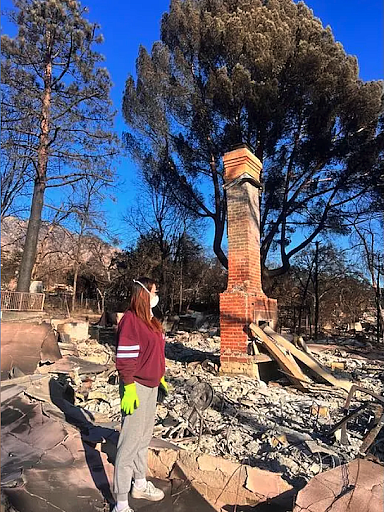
(269,425)
(273,426)
(264,425)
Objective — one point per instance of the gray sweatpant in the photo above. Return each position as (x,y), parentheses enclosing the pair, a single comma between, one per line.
(132,448)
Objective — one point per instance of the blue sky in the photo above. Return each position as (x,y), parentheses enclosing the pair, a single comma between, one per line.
(357,24)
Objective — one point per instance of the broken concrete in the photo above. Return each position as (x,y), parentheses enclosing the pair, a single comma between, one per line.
(220,481)
(356,487)
(72,364)
(36,317)
(26,345)
(210,426)
(76,330)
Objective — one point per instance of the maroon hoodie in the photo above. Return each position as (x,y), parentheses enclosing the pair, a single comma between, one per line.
(140,352)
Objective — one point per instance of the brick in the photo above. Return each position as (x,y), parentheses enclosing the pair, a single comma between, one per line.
(240,307)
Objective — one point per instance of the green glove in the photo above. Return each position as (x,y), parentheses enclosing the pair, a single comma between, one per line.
(130,400)
(164,385)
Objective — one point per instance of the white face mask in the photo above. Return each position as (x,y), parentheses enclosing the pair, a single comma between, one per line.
(153,300)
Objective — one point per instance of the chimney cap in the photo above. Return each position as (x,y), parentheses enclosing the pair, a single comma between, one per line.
(243,145)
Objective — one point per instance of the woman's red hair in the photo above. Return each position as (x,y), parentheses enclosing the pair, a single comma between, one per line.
(141,303)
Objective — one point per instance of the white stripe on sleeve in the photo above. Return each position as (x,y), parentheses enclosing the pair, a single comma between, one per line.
(132,347)
(130,354)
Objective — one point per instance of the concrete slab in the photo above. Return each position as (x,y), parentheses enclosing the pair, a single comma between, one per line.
(24,316)
(357,487)
(62,490)
(45,492)
(221,482)
(77,330)
(68,364)
(8,392)
(25,345)
(179,497)
(49,466)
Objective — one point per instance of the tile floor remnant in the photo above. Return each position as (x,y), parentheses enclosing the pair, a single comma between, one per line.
(25,345)
(357,487)
(180,496)
(47,464)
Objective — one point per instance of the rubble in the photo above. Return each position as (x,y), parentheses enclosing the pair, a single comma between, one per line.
(208,418)
(220,481)
(76,330)
(268,426)
(268,334)
(72,365)
(364,365)
(279,353)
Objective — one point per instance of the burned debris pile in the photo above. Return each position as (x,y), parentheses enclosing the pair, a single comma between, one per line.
(270,425)
(297,427)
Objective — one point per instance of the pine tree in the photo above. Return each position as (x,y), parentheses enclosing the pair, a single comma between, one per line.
(265,73)
(57,101)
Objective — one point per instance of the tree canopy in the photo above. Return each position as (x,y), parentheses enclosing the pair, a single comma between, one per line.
(266,73)
(326,278)
(58,116)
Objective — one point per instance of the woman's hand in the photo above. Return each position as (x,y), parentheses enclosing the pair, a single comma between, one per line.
(130,400)
(164,385)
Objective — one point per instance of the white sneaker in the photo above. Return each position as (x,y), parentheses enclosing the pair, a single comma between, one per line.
(127,509)
(150,493)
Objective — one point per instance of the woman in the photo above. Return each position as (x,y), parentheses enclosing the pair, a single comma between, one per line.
(140,361)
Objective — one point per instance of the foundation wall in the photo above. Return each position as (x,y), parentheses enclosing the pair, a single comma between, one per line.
(237,311)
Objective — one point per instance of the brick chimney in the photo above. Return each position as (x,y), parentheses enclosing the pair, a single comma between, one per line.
(243,301)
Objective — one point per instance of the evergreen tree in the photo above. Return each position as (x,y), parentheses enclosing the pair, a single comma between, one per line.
(266,73)
(57,102)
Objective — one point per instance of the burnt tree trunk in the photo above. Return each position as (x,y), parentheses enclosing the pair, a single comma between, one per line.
(219,216)
(304,297)
(218,237)
(75,277)
(32,236)
(77,264)
(34,224)
(378,305)
(317,291)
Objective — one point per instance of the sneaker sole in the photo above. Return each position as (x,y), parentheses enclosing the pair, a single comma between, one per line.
(137,495)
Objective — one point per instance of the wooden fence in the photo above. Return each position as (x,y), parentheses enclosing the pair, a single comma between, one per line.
(22,301)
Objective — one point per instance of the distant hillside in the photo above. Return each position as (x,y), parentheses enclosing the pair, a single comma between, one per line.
(56,253)
(12,233)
